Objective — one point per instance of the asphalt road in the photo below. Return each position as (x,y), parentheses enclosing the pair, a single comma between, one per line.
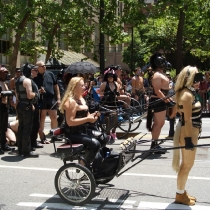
(28,184)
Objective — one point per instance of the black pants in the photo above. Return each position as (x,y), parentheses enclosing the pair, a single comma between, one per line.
(35,126)
(3,124)
(25,117)
(93,142)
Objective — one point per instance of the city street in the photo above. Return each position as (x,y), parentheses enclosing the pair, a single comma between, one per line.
(28,184)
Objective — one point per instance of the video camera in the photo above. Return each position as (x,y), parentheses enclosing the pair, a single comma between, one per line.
(6,92)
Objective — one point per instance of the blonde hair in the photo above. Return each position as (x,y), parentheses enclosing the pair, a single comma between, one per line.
(184,79)
(176,152)
(70,91)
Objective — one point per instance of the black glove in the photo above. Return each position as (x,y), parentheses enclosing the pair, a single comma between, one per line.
(170,104)
(188,143)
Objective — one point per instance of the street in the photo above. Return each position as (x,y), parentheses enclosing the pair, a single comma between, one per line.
(28,184)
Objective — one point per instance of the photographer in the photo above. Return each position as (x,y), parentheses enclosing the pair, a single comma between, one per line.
(27,95)
(4,93)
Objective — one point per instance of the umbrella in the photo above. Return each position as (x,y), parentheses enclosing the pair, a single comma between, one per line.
(81,68)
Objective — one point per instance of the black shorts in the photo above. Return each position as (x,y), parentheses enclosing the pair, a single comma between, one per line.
(159,107)
(48,103)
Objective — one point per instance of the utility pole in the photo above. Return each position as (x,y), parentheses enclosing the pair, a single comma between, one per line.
(101,44)
(132,67)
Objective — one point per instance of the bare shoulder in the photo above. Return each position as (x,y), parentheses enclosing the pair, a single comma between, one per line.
(186,96)
(70,103)
(133,78)
(26,82)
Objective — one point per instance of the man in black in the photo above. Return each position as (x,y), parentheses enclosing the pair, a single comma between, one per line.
(49,100)
(3,111)
(36,122)
(26,94)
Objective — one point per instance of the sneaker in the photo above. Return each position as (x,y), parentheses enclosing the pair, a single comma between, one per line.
(113,135)
(110,139)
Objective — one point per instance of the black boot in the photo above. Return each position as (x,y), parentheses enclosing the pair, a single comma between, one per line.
(1,151)
(6,147)
(155,145)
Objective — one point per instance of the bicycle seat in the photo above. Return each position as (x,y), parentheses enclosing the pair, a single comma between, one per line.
(70,149)
(57,131)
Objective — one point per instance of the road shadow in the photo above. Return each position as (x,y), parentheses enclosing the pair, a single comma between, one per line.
(104,198)
(13,156)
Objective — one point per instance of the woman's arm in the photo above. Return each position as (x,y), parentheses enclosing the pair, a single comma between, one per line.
(70,108)
(186,101)
(102,88)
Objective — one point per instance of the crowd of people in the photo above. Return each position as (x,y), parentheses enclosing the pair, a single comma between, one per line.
(38,93)
(33,92)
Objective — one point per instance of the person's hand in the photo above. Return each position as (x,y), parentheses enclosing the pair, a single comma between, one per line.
(170,104)
(42,90)
(97,113)
(188,143)
(92,118)
(58,102)
(136,97)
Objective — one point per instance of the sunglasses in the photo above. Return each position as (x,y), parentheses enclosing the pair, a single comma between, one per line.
(42,66)
(34,70)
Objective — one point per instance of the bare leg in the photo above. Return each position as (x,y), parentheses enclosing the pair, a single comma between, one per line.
(42,121)
(53,118)
(188,157)
(159,121)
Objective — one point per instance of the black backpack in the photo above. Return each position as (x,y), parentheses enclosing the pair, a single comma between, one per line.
(105,165)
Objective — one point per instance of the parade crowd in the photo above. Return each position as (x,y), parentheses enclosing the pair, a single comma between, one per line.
(35,92)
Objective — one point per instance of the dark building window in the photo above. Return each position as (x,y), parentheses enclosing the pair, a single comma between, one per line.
(4,46)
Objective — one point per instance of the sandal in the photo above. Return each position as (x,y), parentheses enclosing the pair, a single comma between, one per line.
(45,141)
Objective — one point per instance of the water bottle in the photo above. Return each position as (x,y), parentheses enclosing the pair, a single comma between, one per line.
(107,154)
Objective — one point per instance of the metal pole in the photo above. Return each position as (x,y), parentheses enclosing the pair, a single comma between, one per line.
(101,44)
(132,68)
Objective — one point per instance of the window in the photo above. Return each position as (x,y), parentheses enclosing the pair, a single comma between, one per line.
(4,46)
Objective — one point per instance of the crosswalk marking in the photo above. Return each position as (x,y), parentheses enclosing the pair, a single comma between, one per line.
(124,174)
(164,176)
(106,203)
(44,195)
(155,205)
(60,206)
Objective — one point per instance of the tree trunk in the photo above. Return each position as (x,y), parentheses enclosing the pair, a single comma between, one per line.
(50,43)
(179,36)
(16,44)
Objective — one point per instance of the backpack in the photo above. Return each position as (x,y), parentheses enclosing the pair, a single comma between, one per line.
(105,165)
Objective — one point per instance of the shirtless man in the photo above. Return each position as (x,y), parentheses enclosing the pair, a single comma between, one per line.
(3,111)
(138,90)
(160,84)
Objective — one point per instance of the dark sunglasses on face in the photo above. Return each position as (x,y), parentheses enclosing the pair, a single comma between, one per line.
(34,70)
(42,66)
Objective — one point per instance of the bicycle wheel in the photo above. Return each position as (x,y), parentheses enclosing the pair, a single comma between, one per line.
(123,125)
(75,184)
(134,124)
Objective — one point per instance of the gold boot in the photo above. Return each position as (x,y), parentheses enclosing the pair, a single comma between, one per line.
(184,199)
(189,196)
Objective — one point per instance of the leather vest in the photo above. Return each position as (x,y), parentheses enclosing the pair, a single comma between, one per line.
(21,91)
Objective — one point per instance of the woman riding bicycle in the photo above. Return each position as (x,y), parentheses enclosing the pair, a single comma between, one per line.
(77,117)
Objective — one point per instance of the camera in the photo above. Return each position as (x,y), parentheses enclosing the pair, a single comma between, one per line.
(7,93)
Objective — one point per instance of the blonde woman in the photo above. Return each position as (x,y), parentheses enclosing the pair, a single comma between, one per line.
(77,118)
(187,130)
